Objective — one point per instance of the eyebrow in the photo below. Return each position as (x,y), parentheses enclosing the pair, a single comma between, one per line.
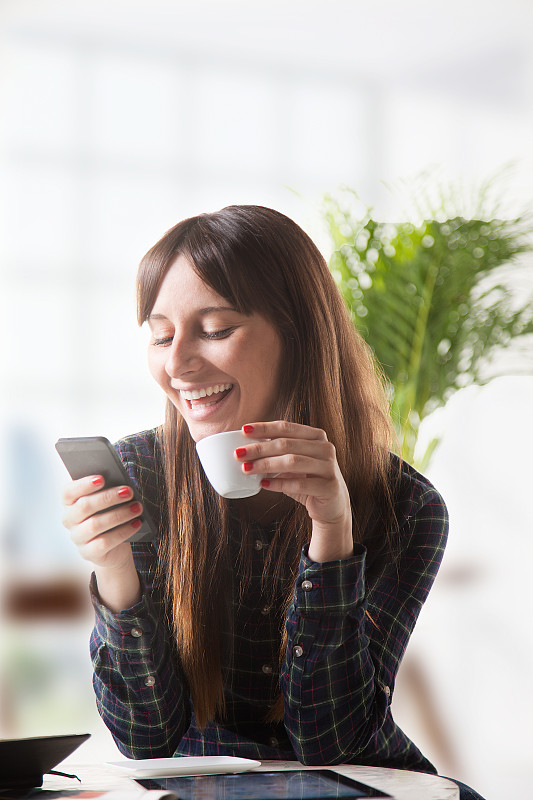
(201,312)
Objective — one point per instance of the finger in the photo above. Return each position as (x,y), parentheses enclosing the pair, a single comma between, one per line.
(291,463)
(289,455)
(105,521)
(283,428)
(78,488)
(319,449)
(98,548)
(297,486)
(89,504)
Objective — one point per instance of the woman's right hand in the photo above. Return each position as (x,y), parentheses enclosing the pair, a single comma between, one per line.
(102,537)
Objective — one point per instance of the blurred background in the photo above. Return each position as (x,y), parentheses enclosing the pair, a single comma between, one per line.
(117,119)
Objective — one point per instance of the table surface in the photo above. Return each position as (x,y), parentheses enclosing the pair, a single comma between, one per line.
(400,784)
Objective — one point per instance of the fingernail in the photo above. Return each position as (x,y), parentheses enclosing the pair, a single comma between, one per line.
(265,483)
(248,466)
(248,428)
(125,492)
(136,524)
(135,508)
(240,452)
(97,481)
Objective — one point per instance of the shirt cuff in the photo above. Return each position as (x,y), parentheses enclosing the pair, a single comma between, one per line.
(331,587)
(130,630)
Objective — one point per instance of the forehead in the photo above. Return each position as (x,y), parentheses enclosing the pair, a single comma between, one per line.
(182,288)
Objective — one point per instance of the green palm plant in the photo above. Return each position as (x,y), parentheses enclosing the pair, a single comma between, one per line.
(432,300)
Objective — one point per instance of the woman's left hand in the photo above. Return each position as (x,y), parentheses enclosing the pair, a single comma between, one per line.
(305,467)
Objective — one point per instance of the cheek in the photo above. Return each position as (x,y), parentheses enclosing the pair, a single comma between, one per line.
(156,367)
(268,370)
(274,360)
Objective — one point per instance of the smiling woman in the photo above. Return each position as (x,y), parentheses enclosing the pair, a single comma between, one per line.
(269,626)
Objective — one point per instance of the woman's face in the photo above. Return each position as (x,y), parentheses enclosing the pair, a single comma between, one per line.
(218,367)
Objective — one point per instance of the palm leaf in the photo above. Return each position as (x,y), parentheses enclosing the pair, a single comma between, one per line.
(432,300)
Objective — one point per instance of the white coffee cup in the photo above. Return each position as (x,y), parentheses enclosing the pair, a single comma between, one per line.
(224,471)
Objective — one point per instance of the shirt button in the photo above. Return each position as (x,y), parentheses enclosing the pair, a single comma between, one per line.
(298,651)
(258,544)
(149,680)
(265,610)
(273,742)
(267,669)
(136,632)
(307,586)
(387,690)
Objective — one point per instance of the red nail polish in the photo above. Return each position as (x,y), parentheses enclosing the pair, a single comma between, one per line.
(98,481)
(240,452)
(248,428)
(248,466)
(135,508)
(136,524)
(125,492)
(265,483)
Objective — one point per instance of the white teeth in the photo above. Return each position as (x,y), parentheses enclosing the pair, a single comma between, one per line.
(196,394)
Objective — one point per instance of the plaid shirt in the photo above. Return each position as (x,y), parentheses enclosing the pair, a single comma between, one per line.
(346,637)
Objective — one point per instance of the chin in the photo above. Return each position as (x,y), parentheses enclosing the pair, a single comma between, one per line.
(200,431)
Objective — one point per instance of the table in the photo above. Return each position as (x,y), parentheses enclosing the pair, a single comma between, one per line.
(400,784)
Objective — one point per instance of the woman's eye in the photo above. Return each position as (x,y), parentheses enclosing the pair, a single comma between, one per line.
(218,334)
(164,341)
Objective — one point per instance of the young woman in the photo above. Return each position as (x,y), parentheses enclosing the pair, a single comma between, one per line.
(270,627)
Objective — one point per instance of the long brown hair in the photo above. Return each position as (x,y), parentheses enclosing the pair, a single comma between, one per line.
(261,261)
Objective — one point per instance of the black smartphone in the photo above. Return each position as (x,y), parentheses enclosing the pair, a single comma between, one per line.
(95,455)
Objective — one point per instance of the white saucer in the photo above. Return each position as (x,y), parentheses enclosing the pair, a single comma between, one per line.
(184,765)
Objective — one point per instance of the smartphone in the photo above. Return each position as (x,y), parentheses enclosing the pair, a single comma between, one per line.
(95,455)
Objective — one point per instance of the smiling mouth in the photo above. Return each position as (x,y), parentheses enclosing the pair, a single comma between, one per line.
(202,397)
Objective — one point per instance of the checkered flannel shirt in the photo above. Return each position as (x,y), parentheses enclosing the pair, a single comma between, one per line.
(346,637)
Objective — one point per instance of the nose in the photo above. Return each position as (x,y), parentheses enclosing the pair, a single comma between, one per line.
(182,357)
